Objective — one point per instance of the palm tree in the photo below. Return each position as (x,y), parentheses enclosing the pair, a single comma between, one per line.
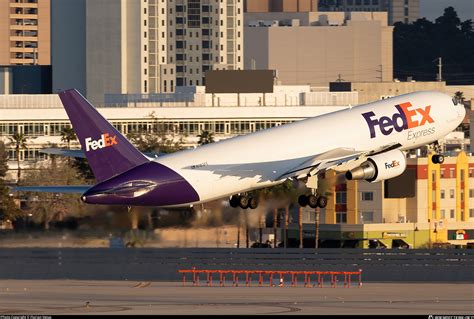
(19,140)
(206,137)
(68,135)
(459,96)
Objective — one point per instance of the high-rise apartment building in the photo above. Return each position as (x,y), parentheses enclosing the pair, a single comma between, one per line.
(189,37)
(280,5)
(406,11)
(25,32)
(146,46)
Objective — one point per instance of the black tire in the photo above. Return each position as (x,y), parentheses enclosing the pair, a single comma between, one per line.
(434,159)
(243,202)
(322,201)
(253,203)
(303,200)
(234,201)
(440,159)
(312,201)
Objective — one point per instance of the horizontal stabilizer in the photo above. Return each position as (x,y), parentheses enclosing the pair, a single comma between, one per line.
(80,153)
(73,189)
(64,152)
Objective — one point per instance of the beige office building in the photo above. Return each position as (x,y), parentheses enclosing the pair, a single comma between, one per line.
(406,11)
(317,48)
(25,36)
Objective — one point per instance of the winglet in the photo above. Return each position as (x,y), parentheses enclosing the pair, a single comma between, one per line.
(108,152)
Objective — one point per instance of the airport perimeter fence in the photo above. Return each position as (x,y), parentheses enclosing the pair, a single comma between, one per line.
(428,265)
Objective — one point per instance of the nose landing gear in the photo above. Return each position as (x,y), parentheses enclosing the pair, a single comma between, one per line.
(438,158)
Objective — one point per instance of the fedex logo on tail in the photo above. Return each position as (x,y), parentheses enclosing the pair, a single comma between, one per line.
(105,141)
(405,118)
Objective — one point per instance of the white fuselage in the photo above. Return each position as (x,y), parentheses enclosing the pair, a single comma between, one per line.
(255,160)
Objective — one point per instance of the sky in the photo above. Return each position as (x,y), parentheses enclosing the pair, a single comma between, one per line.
(431,9)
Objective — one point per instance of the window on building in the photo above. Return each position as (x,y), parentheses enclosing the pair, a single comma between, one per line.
(368,196)
(451,213)
(471,213)
(441,173)
(471,193)
(443,213)
(462,194)
(462,175)
(367,217)
(341,218)
(451,193)
(442,193)
(341,197)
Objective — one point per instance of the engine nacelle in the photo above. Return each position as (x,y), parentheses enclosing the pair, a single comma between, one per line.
(380,167)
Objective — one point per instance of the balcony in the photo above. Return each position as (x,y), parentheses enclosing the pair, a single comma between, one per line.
(23,38)
(22,49)
(24,27)
(23,5)
(21,61)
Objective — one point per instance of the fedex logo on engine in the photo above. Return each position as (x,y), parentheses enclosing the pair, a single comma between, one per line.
(405,118)
(392,164)
(105,141)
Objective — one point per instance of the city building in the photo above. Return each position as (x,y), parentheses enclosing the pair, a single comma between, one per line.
(406,11)
(315,48)
(126,47)
(25,36)
(280,5)
(25,47)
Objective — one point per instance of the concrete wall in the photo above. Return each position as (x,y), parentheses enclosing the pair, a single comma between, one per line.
(68,45)
(163,264)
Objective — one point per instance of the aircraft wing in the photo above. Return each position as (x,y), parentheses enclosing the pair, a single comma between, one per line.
(331,159)
(72,189)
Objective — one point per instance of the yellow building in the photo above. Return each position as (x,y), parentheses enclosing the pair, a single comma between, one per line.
(441,203)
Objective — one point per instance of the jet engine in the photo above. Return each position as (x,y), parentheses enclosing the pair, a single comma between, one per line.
(380,167)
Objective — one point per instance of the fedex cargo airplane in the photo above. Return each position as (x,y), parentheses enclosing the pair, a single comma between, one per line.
(366,142)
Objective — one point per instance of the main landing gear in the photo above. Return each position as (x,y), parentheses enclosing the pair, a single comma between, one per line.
(438,158)
(243,201)
(312,201)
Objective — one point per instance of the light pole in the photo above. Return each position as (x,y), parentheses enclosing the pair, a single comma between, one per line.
(414,236)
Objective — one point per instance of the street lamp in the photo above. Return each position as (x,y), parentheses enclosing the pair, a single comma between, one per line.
(414,236)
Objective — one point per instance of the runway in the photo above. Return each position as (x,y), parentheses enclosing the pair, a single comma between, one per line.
(132,297)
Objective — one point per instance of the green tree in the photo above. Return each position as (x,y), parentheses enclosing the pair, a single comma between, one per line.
(459,96)
(418,46)
(8,208)
(68,135)
(157,139)
(19,140)
(46,207)
(206,137)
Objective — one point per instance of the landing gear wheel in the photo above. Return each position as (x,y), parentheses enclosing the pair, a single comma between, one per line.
(437,159)
(253,203)
(312,201)
(322,201)
(244,202)
(303,200)
(234,201)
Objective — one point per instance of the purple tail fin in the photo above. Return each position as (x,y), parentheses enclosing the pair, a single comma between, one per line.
(108,152)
